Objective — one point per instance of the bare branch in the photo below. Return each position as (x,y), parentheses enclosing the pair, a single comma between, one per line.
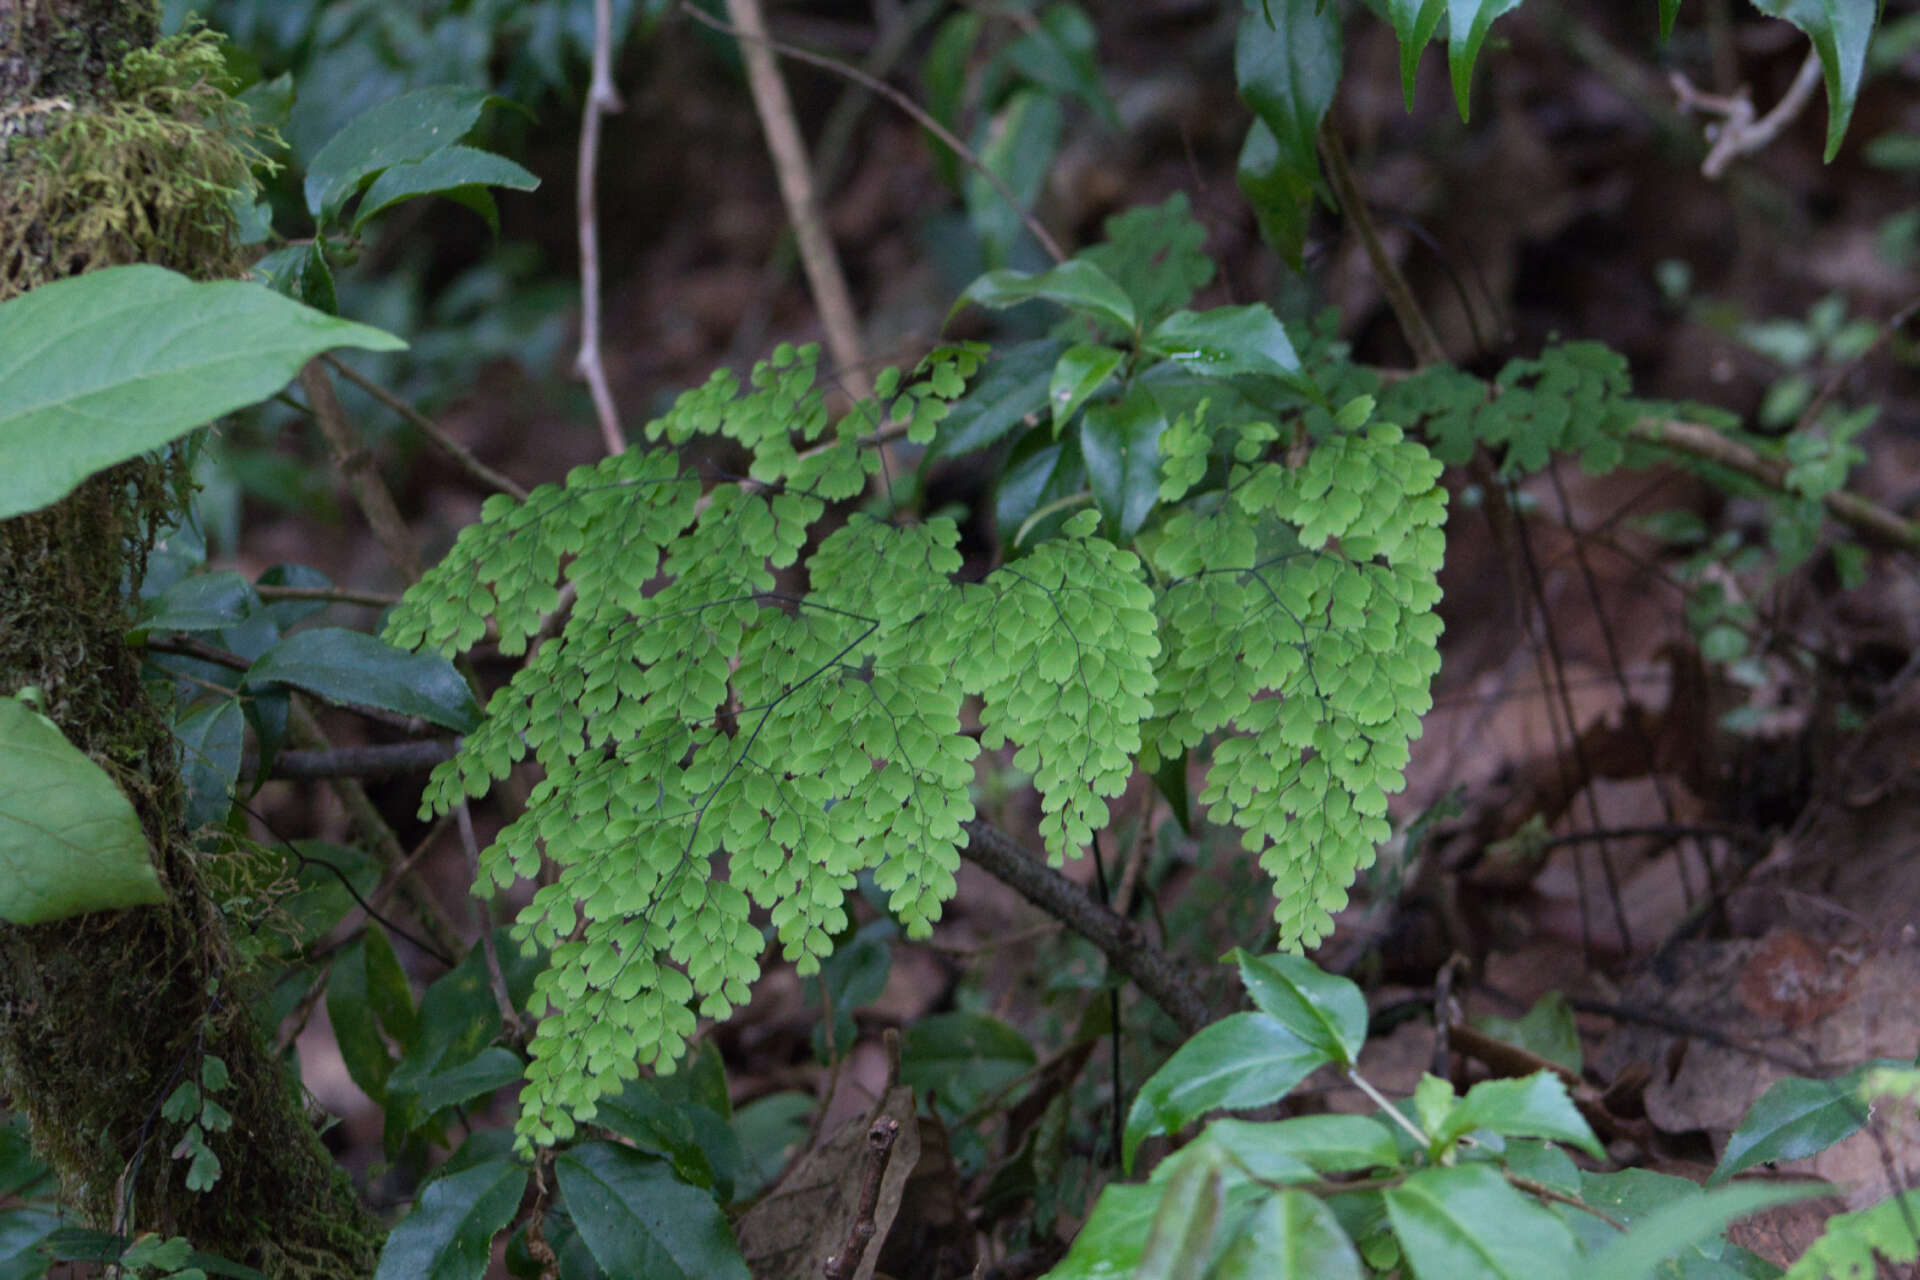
(462,455)
(602,100)
(1738,133)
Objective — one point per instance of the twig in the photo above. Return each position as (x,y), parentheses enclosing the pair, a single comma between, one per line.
(479,470)
(795,172)
(296,1020)
(602,99)
(328,595)
(356,463)
(385,761)
(1738,133)
(1125,946)
(911,108)
(860,1232)
(1406,308)
(509,1016)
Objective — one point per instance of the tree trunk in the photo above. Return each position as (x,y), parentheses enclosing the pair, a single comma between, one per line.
(113,149)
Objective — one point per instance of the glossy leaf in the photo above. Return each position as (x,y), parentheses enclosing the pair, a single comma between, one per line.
(210,739)
(1468,1221)
(1009,390)
(492,1069)
(1243,1060)
(1120,442)
(1534,1107)
(1076,284)
(355,668)
(1080,371)
(1291,1236)
(1157,253)
(1229,342)
(1840,30)
(449,1234)
(640,1220)
(1288,63)
(403,130)
(1413,22)
(1794,1118)
(1281,202)
(69,841)
(1467,24)
(1673,1227)
(462,173)
(1182,1236)
(201,602)
(356,1027)
(962,1058)
(1039,476)
(1326,1011)
(1322,1144)
(105,366)
(1111,1240)
(703,1150)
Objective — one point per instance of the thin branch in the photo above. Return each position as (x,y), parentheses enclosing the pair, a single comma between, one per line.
(509,1016)
(386,761)
(602,99)
(795,172)
(1126,947)
(356,463)
(860,1232)
(1737,133)
(328,595)
(1406,308)
(911,108)
(462,455)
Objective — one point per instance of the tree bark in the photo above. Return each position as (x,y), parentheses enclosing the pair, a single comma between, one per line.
(103,1015)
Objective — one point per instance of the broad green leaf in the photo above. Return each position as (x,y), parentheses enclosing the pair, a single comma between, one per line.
(1111,1240)
(1534,1107)
(69,841)
(1847,1248)
(1230,342)
(1794,1118)
(1120,442)
(494,1068)
(403,130)
(1414,22)
(1669,10)
(449,1234)
(1467,23)
(356,1027)
(1548,1029)
(944,73)
(1076,284)
(1326,1011)
(702,1149)
(106,366)
(22,1173)
(210,739)
(1182,1236)
(352,667)
(640,1220)
(460,173)
(1243,1060)
(459,1016)
(1673,1227)
(1840,30)
(1040,475)
(23,1237)
(1287,59)
(1323,1144)
(769,1130)
(1080,371)
(1018,143)
(962,1058)
(1281,202)
(1157,253)
(1291,1236)
(1468,1221)
(201,602)
(1010,389)
(387,988)
(1059,53)
(300,272)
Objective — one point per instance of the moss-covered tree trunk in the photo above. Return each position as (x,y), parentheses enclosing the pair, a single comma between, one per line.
(115,149)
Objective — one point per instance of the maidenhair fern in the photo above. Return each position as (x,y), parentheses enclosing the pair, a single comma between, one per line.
(756,697)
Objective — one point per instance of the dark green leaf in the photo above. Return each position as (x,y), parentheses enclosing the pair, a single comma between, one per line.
(1547,1029)
(352,667)
(1059,54)
(1076,284)
(1120,442)
(400,131)
(1157,253)
(1229,342)
(23,1238)
(301,273)
(269,102)
(202,602)
(356,1027)
(960,1059)
(492,1069)
(944,73)
(1243,1060)
(1680,1223)
(1794,1118)
(210,739)
(1281,201)
(445,172)
(769,1129)
(1840,30)
(1171,778)
(1019,144)
(1467,1221)
(321,900)
(69,841)
(459,1015)
(1414,22)
(703,1150)
(1039,475)
(1669,9)
(1291,1236)
(387,988)
(183,354)
(1467,24)
(641,1221)
(1181,1238)
(1327,1012)
(22,1173)
(1534,1107)
(1081,371)
(1007,392)
(1288,69)
(449,1234)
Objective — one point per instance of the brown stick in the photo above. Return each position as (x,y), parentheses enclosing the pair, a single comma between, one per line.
(479,470)
(385,761)
(860,1232)
(356,463)
(1126,947)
